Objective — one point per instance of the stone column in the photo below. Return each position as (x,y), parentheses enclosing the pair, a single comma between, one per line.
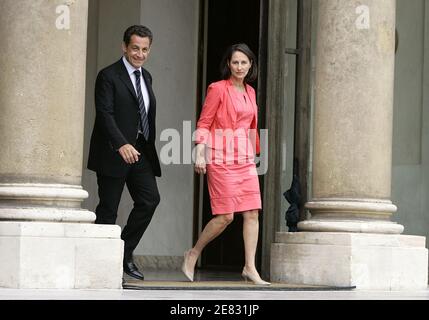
(350,239)
(353,118)
(46,239)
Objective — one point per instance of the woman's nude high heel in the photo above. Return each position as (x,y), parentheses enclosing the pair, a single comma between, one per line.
(189,274)
(254,278)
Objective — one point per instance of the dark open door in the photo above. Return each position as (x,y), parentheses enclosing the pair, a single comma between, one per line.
(228,22)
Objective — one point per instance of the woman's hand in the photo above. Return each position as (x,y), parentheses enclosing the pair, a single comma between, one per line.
(200,159)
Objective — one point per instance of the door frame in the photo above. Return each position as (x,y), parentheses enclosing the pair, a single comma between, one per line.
(276,99)
(202,84)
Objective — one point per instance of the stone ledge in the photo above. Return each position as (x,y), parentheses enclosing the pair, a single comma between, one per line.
(55,229)
(60,256)
(367,261)
(343,238)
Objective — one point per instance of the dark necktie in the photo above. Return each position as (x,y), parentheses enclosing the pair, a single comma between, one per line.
(143,115)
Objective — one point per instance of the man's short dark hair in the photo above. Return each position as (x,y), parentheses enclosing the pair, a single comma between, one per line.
(242,47)
(137,30)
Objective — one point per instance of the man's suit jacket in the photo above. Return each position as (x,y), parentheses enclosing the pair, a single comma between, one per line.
(117,121)
(219,115)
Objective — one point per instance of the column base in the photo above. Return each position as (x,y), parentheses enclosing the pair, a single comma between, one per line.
(43,202)
(331,225)
(40,255)
(367,261)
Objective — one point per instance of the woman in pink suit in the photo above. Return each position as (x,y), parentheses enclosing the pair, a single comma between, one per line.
(226,141)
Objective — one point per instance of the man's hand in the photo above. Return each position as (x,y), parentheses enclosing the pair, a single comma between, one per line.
(129,153)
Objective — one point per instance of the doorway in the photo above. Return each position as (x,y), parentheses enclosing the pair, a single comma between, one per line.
(226,22)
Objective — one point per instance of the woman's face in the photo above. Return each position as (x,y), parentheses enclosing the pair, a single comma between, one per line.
(239,65)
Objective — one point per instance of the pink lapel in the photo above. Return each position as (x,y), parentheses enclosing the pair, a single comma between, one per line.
(231,109)
(252,98)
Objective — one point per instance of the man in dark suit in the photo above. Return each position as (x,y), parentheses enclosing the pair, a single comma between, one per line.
(122,149)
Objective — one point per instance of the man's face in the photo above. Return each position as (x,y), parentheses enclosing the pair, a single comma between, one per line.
(137,50)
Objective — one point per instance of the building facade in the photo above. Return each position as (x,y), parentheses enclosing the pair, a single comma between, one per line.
(343,105)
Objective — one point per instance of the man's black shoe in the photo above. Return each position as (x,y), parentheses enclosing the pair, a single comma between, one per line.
(131,269)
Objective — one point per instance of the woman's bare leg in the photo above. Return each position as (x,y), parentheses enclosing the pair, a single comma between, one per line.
(214,228)
(250,236)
